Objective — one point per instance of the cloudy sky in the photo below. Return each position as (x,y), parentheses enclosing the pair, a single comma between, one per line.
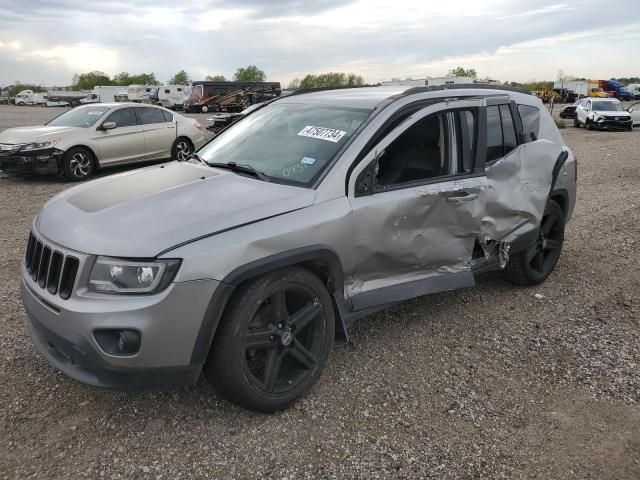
(47,41)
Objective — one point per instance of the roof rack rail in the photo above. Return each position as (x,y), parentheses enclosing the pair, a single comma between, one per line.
(465,86)
(322,89)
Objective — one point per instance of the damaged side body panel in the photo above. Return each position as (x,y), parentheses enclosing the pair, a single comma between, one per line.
(519,185)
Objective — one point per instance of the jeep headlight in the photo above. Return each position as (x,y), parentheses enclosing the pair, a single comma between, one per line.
(114,275)
(40,145)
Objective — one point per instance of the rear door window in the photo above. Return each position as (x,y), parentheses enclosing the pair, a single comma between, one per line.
(530,117)
(150,115)
(508,129)
(501,132)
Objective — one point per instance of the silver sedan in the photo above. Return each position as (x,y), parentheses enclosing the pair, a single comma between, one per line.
(82,140)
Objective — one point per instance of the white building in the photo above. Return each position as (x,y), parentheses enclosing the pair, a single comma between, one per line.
(407,82)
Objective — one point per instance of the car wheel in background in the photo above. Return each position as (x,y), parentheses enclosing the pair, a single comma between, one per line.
(78,164)
(204,109)
(588,125)
(576,123)
(533,265)
(273,341)
(182,149)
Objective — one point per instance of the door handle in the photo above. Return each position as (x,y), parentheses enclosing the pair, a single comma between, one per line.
(462,197)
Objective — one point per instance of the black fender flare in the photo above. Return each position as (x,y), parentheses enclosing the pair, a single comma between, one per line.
(304,256)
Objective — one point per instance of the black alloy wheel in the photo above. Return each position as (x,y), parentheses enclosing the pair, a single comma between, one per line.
(274,340)
(283,341)
(533,265)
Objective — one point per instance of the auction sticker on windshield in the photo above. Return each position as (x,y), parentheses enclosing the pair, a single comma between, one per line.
(322,133)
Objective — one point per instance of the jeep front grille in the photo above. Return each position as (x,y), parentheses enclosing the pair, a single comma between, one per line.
(51,268)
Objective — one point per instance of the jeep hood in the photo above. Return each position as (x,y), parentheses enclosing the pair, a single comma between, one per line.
(33,134)
(144,212)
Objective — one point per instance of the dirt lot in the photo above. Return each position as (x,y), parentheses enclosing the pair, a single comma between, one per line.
(490,382)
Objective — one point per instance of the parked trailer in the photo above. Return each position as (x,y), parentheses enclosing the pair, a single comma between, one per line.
(172,96)
(106,94)
(70,97)
(572,90)
(228,96)
(142,93)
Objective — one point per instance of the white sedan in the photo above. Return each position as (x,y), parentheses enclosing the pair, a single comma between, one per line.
(86,138)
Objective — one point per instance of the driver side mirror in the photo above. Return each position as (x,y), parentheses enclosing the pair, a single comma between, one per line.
(108,126)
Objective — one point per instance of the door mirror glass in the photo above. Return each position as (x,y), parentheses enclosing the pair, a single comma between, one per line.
(108,125)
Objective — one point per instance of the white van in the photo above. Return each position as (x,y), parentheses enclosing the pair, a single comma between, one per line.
(172,96)
(142,93)
(634,88)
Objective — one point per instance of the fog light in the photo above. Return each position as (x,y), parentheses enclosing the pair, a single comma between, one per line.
(128,342)
(118,342)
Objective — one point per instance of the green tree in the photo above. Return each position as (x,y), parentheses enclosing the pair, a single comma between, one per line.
(461,72)
(122,78)
(86,81)
(332,79)
(249,74)
(18,87)
(294,84)
(180,78)
(216,78)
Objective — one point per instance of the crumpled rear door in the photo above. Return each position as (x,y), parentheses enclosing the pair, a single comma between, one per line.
(519,186)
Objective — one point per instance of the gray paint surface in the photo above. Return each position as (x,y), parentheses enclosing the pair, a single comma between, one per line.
(160,208)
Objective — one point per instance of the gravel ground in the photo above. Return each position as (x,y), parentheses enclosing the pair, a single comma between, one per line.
(491,382)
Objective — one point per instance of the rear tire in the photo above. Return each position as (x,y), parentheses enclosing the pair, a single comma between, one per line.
(182,149)
(287,317)
(204,109)
(78,164)
(533,265)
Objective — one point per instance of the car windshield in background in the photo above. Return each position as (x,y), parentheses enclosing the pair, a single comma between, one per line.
(79,117)
(607,106)
(288,142)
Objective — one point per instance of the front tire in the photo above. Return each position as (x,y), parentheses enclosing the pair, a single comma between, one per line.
(533,265)
(204,109)
(273,341)
(576,123)
(78,164)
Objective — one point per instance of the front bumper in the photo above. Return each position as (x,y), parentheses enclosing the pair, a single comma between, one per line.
(610,124)
(40,161)
(169,324)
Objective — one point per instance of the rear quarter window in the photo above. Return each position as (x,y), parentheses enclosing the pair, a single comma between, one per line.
(530,117)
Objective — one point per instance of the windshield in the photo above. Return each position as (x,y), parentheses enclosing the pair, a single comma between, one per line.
(289,142)
(608,106)
(79,117)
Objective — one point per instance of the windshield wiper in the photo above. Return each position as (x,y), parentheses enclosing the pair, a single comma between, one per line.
(241,168)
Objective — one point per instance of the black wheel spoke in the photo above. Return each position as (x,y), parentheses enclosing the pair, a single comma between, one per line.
(304,316)
(271,369)
(259,340)
(547,224)
(533,251)
(279,304)
(302,355)
(553,245)
(538,262)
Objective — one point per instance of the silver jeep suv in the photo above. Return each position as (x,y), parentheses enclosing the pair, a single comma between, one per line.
(312,211)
